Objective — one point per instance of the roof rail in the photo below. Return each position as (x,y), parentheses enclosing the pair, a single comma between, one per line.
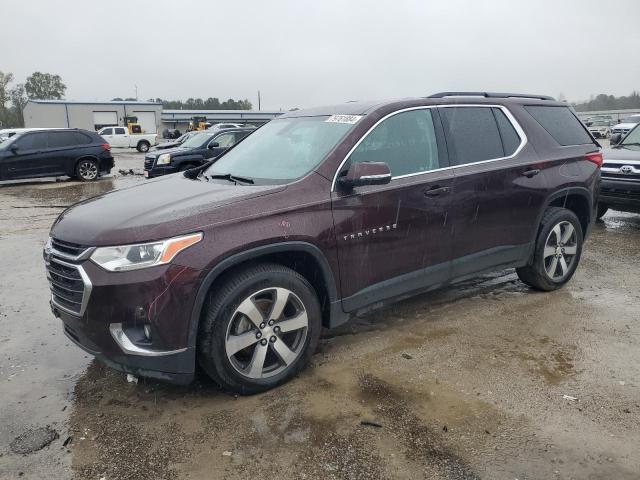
(489,95)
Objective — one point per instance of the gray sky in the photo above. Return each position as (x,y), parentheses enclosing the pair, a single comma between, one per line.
(303,53)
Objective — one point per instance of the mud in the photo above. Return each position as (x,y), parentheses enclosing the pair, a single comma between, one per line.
(463,383)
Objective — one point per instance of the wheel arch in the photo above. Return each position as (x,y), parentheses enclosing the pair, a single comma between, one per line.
(303,257)
(579,201)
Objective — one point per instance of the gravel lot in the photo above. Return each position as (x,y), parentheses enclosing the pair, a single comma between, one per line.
(468,382)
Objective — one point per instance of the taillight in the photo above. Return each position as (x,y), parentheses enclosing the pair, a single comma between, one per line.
(595,157)
(106,147)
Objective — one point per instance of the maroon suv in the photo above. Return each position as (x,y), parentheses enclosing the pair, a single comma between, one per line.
(320,214)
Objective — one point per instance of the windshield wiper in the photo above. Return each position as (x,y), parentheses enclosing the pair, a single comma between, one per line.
(230,178)
(631,144)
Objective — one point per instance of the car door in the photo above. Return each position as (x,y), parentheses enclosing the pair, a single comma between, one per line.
(498,191)
(108,136)
(63,150)
(224,142)
(394,239)
(121,137)
(28,157)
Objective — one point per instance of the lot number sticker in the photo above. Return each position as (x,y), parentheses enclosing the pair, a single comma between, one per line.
(343,118)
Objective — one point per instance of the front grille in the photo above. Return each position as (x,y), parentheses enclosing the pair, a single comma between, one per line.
(619,130)
(69,288)
(148,162)
(621,176)
(618,192)
(68,248)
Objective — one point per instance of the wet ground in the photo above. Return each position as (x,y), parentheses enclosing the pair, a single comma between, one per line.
(487,379)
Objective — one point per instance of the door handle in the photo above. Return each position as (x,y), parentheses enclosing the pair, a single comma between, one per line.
(435,191)
(531,173)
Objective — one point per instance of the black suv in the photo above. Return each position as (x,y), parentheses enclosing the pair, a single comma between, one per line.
(195,151)
(620,187)
(51,153)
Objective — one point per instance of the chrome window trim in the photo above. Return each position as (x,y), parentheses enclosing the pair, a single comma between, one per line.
(505,110)
(88,286)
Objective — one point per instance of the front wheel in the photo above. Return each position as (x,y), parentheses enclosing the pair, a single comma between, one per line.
(143,146)
(557,251)
(259,329)
(87,170)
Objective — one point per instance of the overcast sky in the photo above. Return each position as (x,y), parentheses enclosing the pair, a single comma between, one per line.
(302,53)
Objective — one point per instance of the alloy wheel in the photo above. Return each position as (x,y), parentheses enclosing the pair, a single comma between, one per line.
(88,170)
(267,333)
(560,250)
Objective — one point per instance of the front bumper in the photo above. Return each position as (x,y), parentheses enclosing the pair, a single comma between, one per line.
(159,171)
(620,194)
(109,317)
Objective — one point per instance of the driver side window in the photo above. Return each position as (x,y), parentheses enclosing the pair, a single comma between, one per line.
(406,142)
(225,141)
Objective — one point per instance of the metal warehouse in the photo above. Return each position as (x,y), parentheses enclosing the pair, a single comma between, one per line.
(151,116)
(90,116)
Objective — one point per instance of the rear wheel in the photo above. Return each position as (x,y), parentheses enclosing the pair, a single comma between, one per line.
(186,166)
(557,251)
(143,146)
(602,209)
(87,169)
(259,329)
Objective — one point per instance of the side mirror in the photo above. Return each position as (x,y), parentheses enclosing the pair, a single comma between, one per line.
(214,145)
(615,138)
(366,173)
(14,149)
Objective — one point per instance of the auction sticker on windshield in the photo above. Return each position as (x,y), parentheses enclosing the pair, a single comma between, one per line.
(343,118)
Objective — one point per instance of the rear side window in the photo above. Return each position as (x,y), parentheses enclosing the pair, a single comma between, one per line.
(406,142)
(510,138)
(32,141)
(120,131)
(561,124)
(62,139)
(472,134)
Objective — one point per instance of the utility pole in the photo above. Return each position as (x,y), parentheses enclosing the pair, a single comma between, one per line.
(258,100)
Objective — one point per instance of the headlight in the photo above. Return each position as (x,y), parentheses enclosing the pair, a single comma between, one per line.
(143,255)
(164,159)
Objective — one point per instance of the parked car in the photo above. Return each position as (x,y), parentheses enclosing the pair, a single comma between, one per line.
(221,126)
(175,143)
(626,124)
(318,215)
(600,129)
(193,152)
(56,152)
(620,186)
(120,137)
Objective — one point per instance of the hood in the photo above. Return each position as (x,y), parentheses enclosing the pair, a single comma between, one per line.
(173,151)
(624,125)
(164,145)
(611,154)
(169,206)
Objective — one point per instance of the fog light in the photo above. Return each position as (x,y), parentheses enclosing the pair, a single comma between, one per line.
(147,331)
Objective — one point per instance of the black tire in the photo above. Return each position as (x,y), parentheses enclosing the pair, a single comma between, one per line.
(536,274)
(220,314)
(87,170)
(186,166)
(143,146)
(602,209)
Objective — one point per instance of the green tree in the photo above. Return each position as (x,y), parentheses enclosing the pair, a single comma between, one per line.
(18,99)
(44,86)
(6,117)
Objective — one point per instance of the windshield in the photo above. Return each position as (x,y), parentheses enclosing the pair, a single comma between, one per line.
(283,150)
(632,139)
(600,123)
(6,142)
(196,141)
(631,120)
